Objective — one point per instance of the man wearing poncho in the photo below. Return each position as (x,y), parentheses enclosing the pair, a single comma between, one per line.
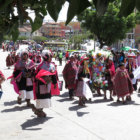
(45,75)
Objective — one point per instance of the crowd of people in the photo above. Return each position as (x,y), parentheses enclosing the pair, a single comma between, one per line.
(35,76)
(100,72)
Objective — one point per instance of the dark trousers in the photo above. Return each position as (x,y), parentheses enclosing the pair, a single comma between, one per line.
(60,61)
(71,93)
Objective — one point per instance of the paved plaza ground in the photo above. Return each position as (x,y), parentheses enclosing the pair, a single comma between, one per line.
(99,120)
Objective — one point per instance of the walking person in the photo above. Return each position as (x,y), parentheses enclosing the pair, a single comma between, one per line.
(67,56)
(82,90)
(23,76)
(69,74)
(60,57)
(109,74)
(122,83)
(45,76)
(9,61)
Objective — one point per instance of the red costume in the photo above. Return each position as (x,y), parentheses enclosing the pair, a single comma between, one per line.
(69,74)
(122,83)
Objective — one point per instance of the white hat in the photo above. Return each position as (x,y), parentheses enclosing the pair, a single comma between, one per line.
(45,52)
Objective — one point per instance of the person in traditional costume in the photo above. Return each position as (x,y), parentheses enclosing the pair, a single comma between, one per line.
(9,61)
(13,57)
(3,46)
(69,74)
(97,76)
(109,74)
(122,83)
(17,57)
(37,59)
(45,76)
(23,76)
(82,89)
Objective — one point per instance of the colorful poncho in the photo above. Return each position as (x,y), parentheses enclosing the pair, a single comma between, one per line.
(122,83)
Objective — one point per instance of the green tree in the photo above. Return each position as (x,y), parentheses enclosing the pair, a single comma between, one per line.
(76,40)
(39,38)
(7,38)
(110,27)
(22,38)
(10,21)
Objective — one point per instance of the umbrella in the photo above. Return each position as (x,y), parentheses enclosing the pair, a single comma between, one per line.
(126,48)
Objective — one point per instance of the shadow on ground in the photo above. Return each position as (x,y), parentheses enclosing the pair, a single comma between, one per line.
(10,103)
(64,100)
(64,97)
(101,101)
(138,95)
(96,95)
(34,122)
(16,108)
(76,107)
(115,104)
(75,102)
(81,114)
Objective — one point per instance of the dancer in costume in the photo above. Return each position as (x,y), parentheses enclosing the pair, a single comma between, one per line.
(23,76)
(109,74)
(69,74)
(82,90)
(45,76)
(122,83)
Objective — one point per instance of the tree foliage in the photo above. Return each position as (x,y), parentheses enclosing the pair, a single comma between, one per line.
(138,17)
(76,40)
(110,27)
(39,38)
(10,21)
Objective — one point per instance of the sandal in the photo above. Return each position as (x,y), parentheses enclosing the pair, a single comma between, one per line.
(28,103)
(19,100)
(39,113)
(81,103)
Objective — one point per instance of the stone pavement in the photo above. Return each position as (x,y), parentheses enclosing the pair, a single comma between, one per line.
(99,120)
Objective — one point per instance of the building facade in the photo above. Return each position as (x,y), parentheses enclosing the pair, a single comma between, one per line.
(54,30)
(51,30)
(26,31)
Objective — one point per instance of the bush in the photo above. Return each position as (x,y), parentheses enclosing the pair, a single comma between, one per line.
(22,38)
(39,38)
